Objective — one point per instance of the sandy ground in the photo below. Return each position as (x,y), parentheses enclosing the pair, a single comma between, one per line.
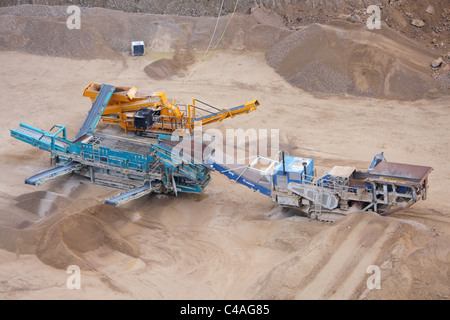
(228,242)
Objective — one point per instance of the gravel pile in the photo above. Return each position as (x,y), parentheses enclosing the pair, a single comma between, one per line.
(105,33)
(327,60)
(337,59)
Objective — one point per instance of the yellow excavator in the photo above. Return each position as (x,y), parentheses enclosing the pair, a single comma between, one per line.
(155,114)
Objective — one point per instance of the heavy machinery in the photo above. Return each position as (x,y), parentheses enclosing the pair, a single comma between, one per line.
(146,114)
(119,162)
(142,166)
(384,188)
(292,182)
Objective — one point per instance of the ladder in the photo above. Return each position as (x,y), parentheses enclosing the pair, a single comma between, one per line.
(318,198)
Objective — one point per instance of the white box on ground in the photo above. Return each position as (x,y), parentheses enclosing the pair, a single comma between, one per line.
(137,48)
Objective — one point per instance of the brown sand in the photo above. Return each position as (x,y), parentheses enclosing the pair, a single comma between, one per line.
(344,60)
(166,68)
(228,242)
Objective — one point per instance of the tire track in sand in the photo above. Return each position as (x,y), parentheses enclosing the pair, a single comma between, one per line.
(345,269)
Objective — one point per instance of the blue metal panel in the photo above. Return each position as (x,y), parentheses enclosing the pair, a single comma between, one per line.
(115,157)
(96,111)
(376,160)
(75,148)
(294,170)
(192,188)
(233,176)
(194,171)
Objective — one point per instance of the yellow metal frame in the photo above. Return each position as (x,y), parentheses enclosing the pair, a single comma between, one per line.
(126,101)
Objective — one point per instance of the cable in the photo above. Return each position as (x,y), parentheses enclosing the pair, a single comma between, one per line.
(214,32)
(207,54)
(226,27)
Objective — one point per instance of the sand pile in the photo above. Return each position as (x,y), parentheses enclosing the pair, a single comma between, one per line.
(42,203)
(342,252)
(412,263)
(337,60)
(165,68)
(66,241)
(58,233)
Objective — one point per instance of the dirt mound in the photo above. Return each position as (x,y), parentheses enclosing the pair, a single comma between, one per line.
(49,35)
(398,15)
(66,241)
(414,266)
(107,34)
(58,236)
(42,203)
(166,68)
(343,251)
(338,252)
(261,37)
(162,69)
(334,60)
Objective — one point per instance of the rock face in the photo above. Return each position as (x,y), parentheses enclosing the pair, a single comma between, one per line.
(107,33)
(397,14)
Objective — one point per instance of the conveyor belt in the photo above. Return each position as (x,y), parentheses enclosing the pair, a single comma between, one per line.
(251,178)
(229,112)
(402,171)
(53,173)
(131,195)
(36,138)
(201,153)
(96,111)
